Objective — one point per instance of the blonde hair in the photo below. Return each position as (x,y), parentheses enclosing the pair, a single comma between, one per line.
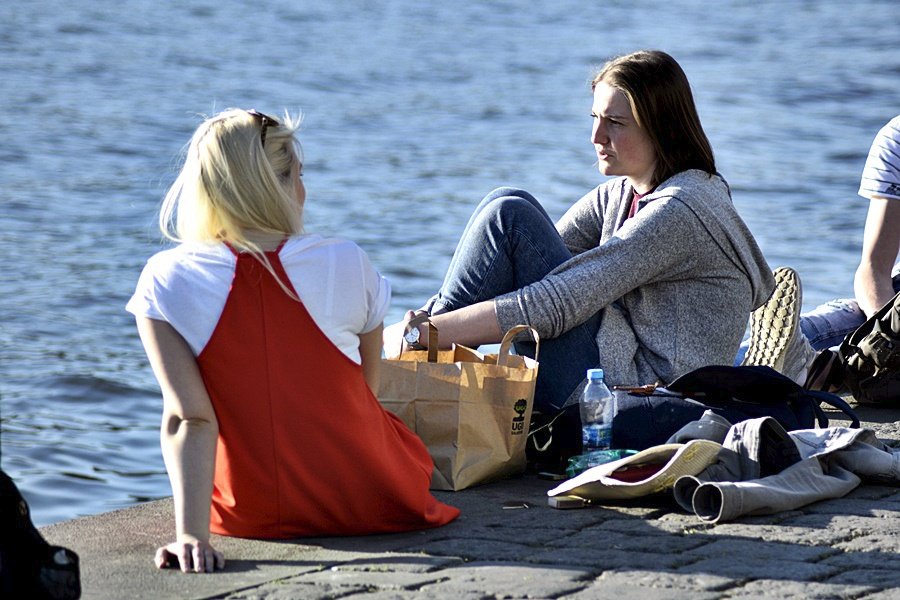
(231,182)
(238,176)
(663,105)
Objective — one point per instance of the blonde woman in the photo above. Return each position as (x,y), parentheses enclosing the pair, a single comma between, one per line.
(266,343)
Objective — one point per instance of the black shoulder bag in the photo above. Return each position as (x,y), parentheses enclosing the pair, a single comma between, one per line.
(870,358)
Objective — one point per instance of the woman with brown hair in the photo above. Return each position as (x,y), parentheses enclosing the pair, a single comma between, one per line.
(648,276)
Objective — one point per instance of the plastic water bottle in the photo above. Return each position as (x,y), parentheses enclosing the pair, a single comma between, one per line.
(597,411)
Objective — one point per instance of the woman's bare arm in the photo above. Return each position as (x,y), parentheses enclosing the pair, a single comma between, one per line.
(188,437)
(470,326)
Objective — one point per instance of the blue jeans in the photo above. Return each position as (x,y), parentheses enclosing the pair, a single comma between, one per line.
(510,242)
(827,325)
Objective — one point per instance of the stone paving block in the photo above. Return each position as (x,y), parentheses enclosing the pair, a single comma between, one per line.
(863,556)
(852,526)
(293,591)
(549,518)
(856,506)
(795,590)
(619,589)
(760,550)
(508,581)
(487,499)
(883,545)
(890,594)
(539,516)
(655,527)
(602,559)
(679,522)
(623,590)
(773,519)
(403,563)
(596,538)
(821,535)
(336,577)
(390,542)
(748,567)
(879,546)
(542,516)
(471,550)
(649,578)
(627,509)
(409,595)
(519,535)
(882,578)
(886,427)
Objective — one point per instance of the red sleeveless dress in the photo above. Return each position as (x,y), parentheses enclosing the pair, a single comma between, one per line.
(304,447)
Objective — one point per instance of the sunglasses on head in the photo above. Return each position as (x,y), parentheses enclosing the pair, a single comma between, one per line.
(265,121)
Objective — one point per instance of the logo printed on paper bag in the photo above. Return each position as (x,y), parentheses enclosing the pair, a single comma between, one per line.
(518,422)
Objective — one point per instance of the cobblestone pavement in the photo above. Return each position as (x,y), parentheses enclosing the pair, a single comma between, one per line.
(648,550)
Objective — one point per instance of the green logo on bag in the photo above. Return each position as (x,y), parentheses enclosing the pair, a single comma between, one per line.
(518,422)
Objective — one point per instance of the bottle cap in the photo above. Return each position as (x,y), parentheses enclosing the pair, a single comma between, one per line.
(595,374)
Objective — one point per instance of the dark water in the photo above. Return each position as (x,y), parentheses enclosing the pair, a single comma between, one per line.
(413,110)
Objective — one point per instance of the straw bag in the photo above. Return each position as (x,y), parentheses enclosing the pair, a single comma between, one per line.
(471,410)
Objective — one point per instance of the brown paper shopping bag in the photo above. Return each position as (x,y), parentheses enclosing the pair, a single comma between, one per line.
(471,410)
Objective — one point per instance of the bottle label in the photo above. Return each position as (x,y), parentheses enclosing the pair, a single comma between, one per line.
(596,436)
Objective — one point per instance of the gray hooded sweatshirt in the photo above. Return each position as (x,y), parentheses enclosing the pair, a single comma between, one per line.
(674,285)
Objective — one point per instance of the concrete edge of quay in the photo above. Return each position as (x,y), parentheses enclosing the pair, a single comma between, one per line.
(508,543)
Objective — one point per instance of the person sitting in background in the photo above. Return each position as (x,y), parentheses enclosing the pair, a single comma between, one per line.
(877,277)
(877,280)
(649,275)
(266,343)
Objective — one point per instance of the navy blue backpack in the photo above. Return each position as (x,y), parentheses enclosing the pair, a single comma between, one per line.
(736,393)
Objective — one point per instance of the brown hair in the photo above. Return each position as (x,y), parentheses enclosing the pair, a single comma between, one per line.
(663,105)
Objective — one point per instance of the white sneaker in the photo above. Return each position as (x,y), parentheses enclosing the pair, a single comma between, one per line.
(775,338)
(798,358)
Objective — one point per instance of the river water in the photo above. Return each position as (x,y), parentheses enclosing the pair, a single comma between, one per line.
(413,110)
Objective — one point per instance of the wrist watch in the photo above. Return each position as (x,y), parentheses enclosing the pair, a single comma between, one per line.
(412,336)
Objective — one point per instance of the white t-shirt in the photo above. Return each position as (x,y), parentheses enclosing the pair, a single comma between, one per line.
(881,175)
(187,287)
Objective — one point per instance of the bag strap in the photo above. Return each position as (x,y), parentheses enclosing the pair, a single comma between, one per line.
(834,401)
(512,334)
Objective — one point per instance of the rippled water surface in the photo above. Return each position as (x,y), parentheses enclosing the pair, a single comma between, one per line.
(413,110)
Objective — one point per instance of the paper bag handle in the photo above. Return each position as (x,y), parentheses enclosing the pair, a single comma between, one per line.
(419,318)
(513,333)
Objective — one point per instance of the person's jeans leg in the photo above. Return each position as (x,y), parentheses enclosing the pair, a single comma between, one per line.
(464,247)
(827,325)
(565,361)
(510,242)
